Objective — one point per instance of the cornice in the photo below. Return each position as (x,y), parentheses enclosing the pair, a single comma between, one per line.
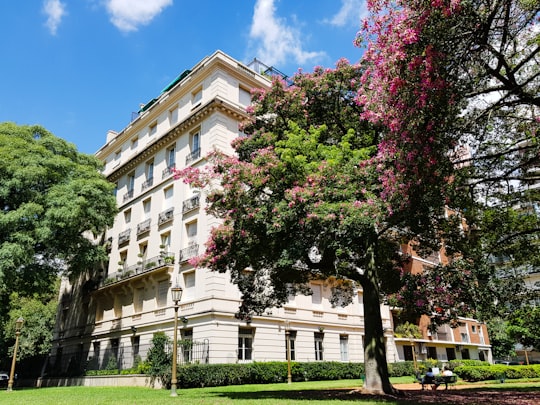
(194,119)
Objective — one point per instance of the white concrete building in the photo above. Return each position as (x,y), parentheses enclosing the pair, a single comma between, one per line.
(114,312)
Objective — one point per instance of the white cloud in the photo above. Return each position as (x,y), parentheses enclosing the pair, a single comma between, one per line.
(55,10)
(276,41)
(351,12)
(128,15)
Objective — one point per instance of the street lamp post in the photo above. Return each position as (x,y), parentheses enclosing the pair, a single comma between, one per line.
(176,293)
(18,326)
(288,340)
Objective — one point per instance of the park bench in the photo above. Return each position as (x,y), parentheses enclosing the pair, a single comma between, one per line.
(434,382)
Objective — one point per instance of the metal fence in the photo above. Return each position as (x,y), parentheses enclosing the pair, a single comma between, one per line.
(124,357)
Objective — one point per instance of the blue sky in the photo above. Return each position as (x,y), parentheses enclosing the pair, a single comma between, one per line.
(80,68)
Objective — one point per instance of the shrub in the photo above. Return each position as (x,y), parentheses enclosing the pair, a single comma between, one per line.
(160,362)
(497,371)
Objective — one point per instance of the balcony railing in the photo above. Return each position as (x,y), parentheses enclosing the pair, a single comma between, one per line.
(144,226)
(143,266)
(166,216)
(193,156)
(128,196)
(147,184)
(190,204)
(168,171)
(123,237)
(189,252)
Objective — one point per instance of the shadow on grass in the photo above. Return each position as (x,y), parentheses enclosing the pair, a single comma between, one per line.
(480,396)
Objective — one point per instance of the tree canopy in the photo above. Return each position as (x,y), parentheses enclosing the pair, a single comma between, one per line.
(53,202)
(344,164)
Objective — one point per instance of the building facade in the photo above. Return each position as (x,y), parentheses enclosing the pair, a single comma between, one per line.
(109,316)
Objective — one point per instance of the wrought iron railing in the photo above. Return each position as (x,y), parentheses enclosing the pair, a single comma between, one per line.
(128,195)
(123,237)
(144,226)
(190,204)
(168,171)
(189,252)
(193,156)
(166,216)
(147,184)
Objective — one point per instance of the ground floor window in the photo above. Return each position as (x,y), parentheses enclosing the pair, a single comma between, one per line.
(292,342)
(344,347)
(319,349)
(465,354)
(408,353)
(245,343)
(432,352)
(450,353)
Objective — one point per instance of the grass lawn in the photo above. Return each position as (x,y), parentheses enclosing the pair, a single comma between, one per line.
(313,392)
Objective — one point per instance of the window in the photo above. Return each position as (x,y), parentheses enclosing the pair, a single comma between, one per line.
(134,143)
(116,160)
(123,258)
(127,216)
(143,247)
(292,340)
(139,299)
(432,352)
(196,97)
(152,128)
(195,141)
(187,345)
(166,241)
(163,289)
(245,343)
(189,283)
(135,344)
(131,182)
(195,147)
(408,353)
(171,156)
(473,328)
(465,355)
(344,347)
(149,170)
(168,195)
(173,115)
(191,231)
(316,297)
(244,96)
(147,207)
(319,349)
(450,353)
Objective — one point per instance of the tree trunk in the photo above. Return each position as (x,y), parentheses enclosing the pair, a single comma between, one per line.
(377,379)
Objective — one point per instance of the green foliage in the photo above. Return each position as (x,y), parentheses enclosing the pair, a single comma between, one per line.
(51,197)
(159,360)
(502,344)
(403,368)
(212,375)
(524,326)
(408,330)
(497,371)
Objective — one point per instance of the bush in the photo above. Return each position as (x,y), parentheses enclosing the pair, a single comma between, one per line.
(159,361)
(401,369)
(496,372)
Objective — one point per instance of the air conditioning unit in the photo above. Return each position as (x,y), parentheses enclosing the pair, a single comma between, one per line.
(459,348)
(423,348)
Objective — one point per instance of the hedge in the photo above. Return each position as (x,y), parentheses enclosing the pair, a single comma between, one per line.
(497,372)
(212,375)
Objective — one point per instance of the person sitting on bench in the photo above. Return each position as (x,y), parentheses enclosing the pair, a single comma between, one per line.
(429,378)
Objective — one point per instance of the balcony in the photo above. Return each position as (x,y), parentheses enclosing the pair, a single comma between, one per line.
(166,216)
(144,226)
(190,204)
(128,196)
(123,237)
(143,267)
(168,171)
(147,184)
(196,154)
(189,252)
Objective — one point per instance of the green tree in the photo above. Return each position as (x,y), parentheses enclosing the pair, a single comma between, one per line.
(524,327)
(53,200)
